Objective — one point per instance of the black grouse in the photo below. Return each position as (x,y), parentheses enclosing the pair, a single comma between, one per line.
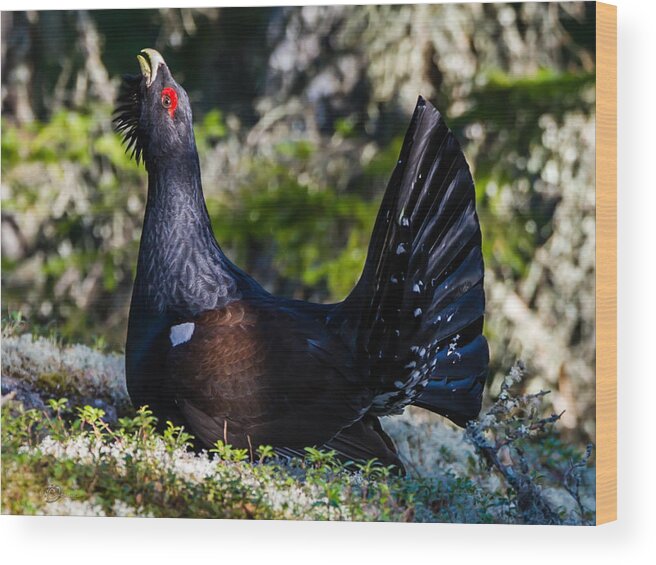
(210,349)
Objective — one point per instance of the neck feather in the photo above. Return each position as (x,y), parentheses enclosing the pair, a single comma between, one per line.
(181,267)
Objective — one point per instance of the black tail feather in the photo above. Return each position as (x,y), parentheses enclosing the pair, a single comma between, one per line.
(417,311)
(362,441)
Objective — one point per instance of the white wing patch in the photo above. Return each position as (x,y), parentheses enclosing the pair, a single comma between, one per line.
(181,333)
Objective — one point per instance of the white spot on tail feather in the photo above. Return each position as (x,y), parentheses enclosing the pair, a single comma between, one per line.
(452,348)
(181,333)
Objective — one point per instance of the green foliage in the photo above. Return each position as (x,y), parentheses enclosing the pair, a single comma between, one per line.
(70,174)
(314,235)
(345,127)
(511,438)
(68,458)
(226,452)
(516,217)
(525,99)
(210,130)
(285,224)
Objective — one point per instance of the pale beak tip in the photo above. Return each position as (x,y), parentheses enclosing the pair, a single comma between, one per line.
(150,64)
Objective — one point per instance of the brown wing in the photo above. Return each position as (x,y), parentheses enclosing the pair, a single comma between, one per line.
(259,375)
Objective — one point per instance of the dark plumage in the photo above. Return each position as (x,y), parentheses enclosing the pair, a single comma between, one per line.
(210,349)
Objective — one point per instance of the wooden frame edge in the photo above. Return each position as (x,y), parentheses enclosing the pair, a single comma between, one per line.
(606,261)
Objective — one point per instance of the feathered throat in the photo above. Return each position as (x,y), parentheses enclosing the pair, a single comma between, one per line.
(126,116)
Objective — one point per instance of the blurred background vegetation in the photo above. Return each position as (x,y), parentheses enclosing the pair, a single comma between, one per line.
(300,112)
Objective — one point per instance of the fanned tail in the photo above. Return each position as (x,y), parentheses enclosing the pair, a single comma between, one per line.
(416,315)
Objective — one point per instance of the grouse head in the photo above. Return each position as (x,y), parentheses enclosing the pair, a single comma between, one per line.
(153,113)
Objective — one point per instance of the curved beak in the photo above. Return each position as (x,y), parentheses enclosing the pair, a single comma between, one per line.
(150,64)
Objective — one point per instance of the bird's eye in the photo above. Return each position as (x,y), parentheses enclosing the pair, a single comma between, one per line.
(169,100)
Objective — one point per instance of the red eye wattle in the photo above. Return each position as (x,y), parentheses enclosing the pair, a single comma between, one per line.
(170,100)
